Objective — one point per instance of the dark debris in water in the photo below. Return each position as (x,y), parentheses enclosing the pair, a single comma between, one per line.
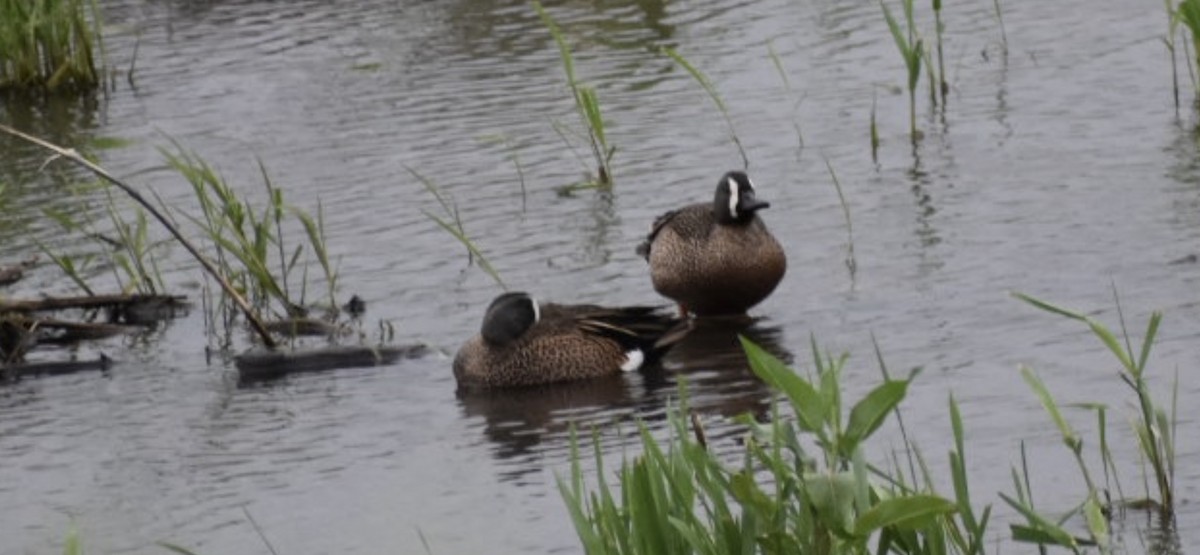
(265,364)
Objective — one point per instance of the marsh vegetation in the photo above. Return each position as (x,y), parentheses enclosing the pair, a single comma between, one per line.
(431,158)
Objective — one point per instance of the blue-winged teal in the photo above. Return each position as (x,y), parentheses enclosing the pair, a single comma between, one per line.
(715,258)
(523,342)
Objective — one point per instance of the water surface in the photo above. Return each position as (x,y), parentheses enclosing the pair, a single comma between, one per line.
(1061,169)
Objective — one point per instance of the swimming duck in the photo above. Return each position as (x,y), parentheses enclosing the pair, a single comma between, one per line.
(524,342)
(715,258)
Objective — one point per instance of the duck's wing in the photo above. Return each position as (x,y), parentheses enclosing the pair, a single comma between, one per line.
(649,329)
(694,221)
(643,249)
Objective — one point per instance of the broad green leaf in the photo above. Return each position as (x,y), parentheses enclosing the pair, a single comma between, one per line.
(804,398)
(747,492)
(832,496)
(1030,534)
(869,413)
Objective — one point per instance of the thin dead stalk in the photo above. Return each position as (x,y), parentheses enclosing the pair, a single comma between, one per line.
(72,155)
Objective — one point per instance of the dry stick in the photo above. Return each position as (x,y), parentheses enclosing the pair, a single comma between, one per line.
(73,156)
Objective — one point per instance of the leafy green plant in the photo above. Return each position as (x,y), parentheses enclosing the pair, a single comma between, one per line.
(779,499)
(246,240)
(587,104)
(124,246)
(911,49)
(1041,529)
(49,44)
(1155,430)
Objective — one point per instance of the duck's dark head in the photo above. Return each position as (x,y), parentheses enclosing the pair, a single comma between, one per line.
(508,317)
(735,201)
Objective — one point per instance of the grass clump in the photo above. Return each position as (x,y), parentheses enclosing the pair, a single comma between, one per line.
(1155,427)
(804,484)
(250,245)
(782,497)
(49,45)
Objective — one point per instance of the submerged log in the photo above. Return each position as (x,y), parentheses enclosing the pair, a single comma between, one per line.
(66,331)
(53,368)
(296,327)
(262,364)
(90,301)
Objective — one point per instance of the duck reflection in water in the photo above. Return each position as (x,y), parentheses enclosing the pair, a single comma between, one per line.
(714,365)
(517,420)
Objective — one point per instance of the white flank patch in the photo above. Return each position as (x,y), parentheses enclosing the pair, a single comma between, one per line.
(537,311)
(733,197)
(633,360)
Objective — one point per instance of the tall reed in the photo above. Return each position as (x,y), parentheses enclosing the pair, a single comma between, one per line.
(587,104)
(942,86)
(708,87)
(249,242)
(1169,42)
(911,50)
(49,44)
(685,499)
(453,225)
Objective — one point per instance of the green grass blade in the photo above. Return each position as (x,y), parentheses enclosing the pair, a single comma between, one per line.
(175,548)
(1069,436)
(1041,530)
(1050,307)
(1148,340)
(869,413)
(466,241)
(708,87)
(911,512)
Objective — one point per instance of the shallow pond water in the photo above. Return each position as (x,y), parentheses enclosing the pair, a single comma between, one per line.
(1061,169)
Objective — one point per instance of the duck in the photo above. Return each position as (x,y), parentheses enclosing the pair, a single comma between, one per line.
(524,342)
(718,258)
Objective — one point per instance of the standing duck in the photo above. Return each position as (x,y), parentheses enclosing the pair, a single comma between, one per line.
(715,258)
(523,342)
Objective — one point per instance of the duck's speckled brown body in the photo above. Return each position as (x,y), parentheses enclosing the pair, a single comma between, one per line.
(532,344)
(716,258)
